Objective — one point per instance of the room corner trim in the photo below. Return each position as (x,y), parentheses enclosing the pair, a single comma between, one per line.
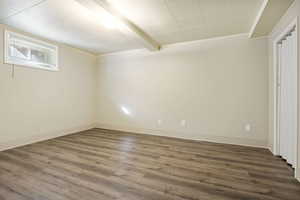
(43,137)
(174,46)
(181,135)
(298,175)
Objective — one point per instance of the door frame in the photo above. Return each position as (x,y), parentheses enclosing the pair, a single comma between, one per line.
(276,93)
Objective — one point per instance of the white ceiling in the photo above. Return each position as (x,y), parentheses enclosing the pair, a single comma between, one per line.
(166,21)
(171,21)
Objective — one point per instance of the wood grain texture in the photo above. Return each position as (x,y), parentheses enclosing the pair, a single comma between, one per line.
(106,165)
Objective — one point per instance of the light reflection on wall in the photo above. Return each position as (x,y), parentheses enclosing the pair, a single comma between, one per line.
(125,110)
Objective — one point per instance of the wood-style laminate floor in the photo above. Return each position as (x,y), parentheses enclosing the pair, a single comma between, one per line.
(104,165)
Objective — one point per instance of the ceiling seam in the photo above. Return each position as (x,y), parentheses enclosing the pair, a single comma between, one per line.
(171,13)
(22,10)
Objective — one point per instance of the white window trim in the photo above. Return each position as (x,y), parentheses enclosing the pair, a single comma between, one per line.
(52,48)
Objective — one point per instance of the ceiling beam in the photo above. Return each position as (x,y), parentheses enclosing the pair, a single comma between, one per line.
(258,17)
(140,35)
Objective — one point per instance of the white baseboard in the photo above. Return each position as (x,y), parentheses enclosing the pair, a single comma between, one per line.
(182,135)
(42,137)
(271,150)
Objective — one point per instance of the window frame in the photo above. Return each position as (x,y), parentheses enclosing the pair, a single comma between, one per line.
(35,43)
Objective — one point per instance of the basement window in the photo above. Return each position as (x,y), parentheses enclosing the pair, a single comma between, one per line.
(25,51)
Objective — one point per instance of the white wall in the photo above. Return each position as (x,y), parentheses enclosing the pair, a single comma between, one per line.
(38,104)
(292,13)
(181,82)
(217,86)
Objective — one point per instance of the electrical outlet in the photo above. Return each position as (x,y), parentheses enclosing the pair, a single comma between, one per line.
(247,127)
(159,122)
(183,123)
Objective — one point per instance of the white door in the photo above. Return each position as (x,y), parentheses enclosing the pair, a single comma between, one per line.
(287,52)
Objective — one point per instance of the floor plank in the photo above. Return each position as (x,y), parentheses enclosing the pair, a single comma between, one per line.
(114,165)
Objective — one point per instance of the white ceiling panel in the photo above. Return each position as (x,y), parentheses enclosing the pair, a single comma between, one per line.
(68,22)
(10,7)
(145,12)
(171,21)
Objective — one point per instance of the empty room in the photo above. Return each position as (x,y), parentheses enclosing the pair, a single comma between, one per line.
(149,100)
